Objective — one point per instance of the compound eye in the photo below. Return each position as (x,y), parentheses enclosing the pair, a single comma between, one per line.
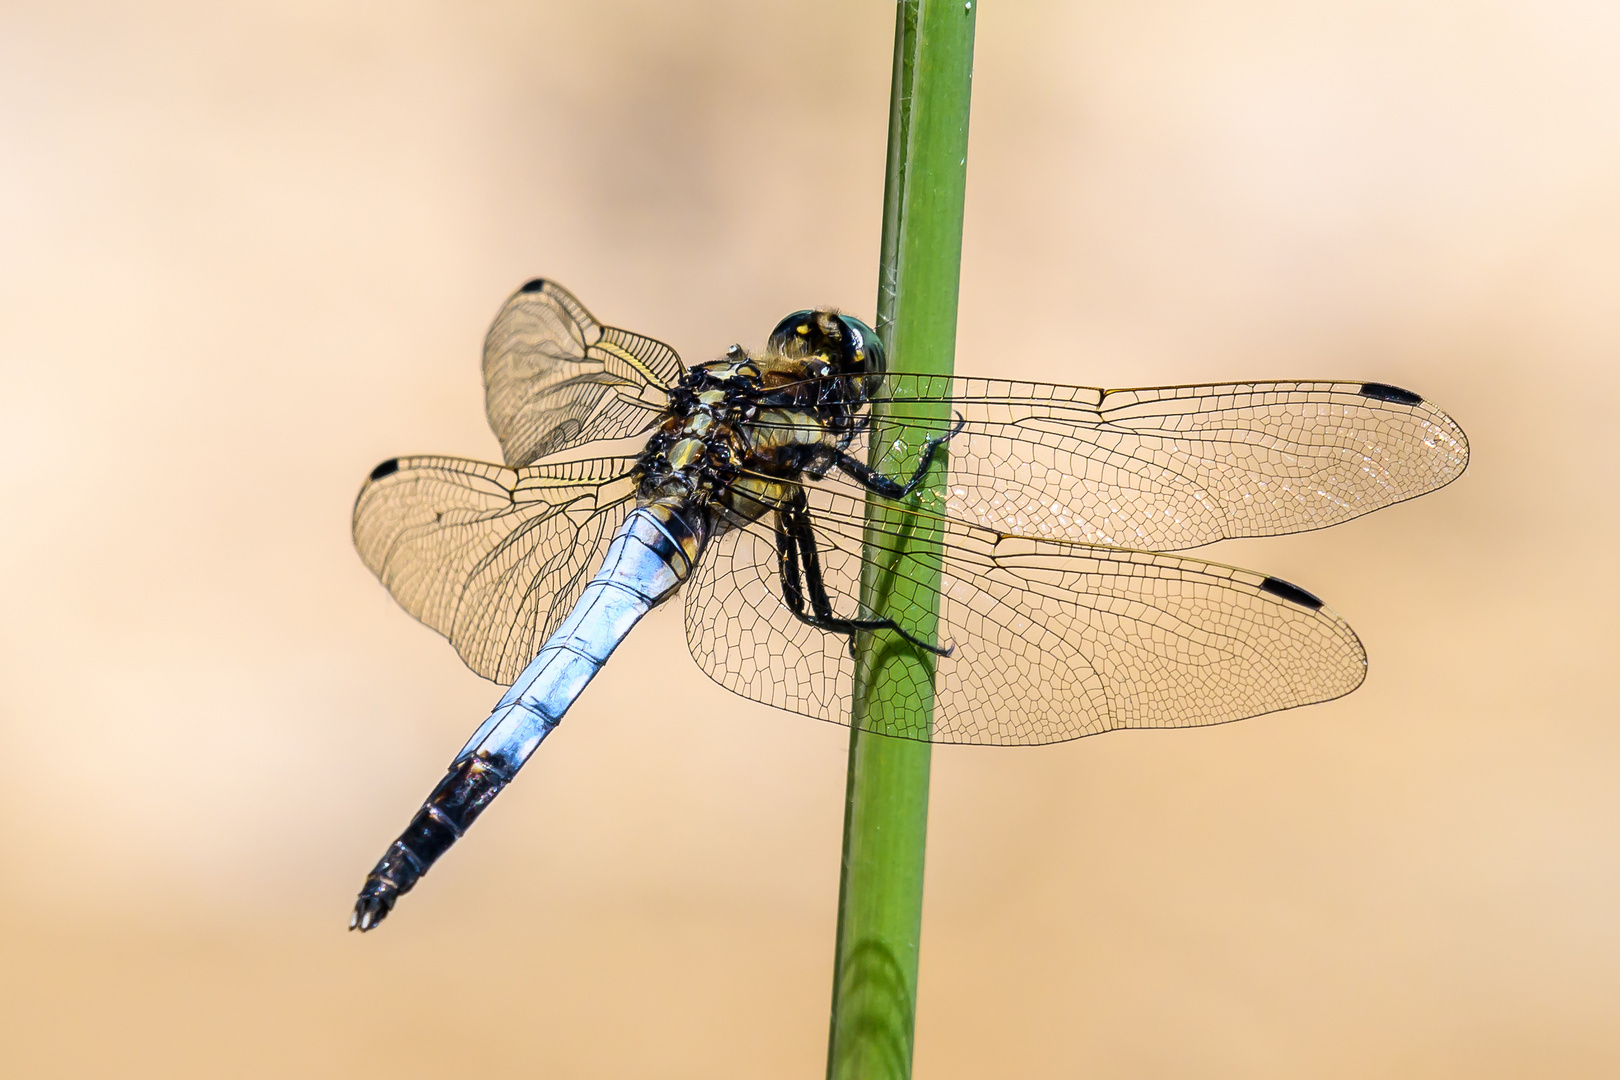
(794,328)
(865,347)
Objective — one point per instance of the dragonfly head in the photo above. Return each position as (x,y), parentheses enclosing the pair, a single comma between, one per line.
(843,341)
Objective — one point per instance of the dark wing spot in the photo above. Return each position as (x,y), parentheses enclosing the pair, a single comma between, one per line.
(1278,587)
(387,468)
(539,283)
(1385,392)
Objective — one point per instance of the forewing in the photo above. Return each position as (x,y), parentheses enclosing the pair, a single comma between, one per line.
(492,558)
(1169,468)
(555,378)
(1051,640)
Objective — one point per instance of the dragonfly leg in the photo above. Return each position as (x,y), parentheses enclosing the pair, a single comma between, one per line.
(823,457)
(797,558)
(889,488)
(787,565)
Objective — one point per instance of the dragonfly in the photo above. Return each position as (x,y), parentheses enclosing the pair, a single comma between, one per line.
(749,484)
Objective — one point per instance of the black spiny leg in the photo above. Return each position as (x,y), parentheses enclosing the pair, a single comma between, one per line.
(787,564)
(874,481)
(797,557)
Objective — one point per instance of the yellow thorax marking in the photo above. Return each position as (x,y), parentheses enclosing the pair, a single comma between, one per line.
(684,453)
(784,427)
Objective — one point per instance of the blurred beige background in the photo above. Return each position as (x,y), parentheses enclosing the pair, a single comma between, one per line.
(249,250)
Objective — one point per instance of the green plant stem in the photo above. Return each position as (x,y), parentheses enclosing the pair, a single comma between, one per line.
(886,807)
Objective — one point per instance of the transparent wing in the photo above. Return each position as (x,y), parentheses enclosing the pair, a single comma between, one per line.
(1052,640)
(491,558)
(1169,468)
(555,378)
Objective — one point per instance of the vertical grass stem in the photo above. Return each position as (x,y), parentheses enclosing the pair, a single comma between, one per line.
(886,804)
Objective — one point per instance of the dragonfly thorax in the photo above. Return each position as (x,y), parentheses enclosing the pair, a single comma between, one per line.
(700,445)
(740,430)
